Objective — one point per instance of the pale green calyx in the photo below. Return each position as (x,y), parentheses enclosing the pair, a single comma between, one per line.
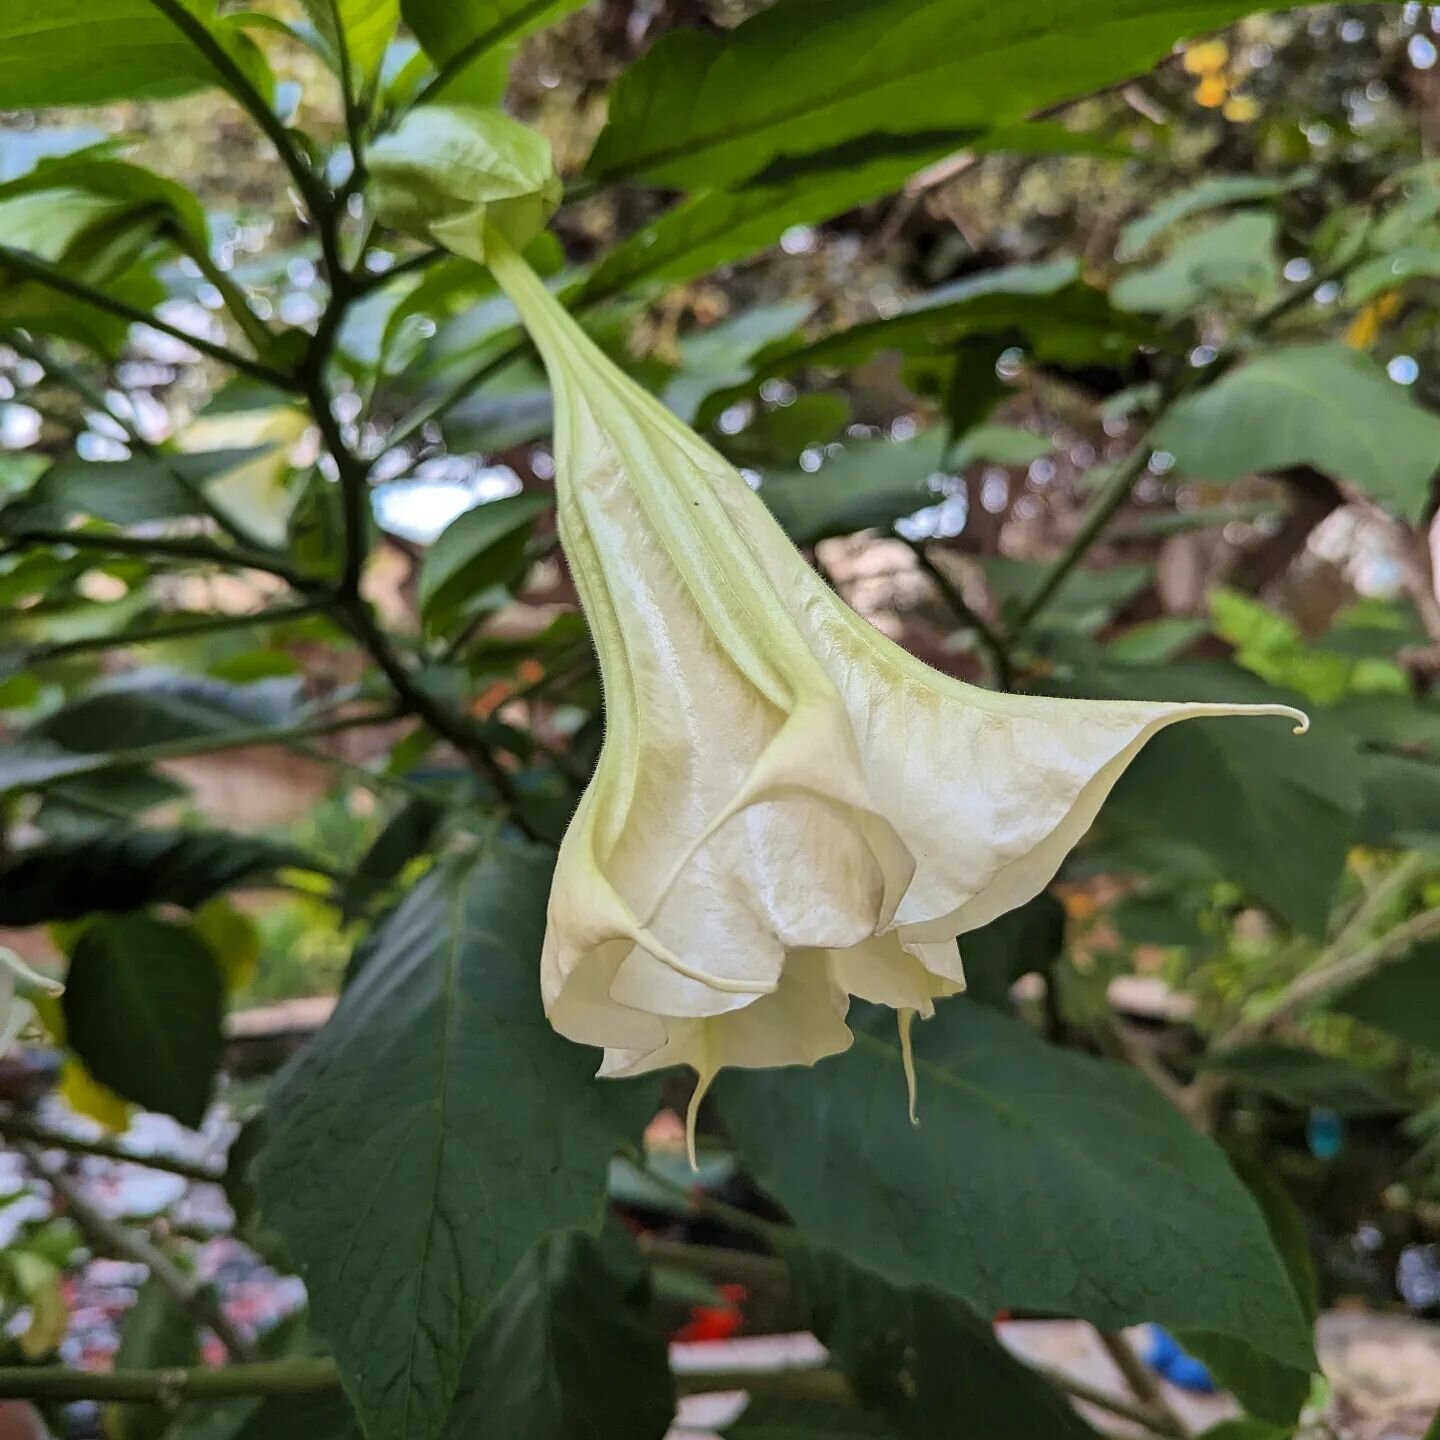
(19,985)
(450,172)
(788,809)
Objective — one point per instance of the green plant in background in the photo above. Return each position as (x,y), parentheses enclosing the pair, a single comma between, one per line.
(216,422)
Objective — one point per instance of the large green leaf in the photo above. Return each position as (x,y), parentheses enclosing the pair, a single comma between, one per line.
(1038,1178)
(143,1003)
(86,52)
(325,1415)
(1402,999)
(433,1132)
(926,1361)
(1273,810)
(703,110)
(1274,1392)
(1323,405)
(871,483)
(1213,193)
(570,1349)
(123,869)
(124,492)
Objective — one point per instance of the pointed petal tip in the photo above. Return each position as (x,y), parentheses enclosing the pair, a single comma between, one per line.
(703,1081)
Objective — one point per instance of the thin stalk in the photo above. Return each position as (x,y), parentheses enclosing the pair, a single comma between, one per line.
(251,325)
(1141,1380)
(239,84)
(990,638)
(62,284)
(160,547)
(1112,1404)
(19,1128)
(117,1239)
(301,1376)
(180,630)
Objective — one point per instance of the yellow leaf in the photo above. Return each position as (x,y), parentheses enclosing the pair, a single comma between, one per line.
(1207,57)
(233,938)
(1212,92)
(85,1095)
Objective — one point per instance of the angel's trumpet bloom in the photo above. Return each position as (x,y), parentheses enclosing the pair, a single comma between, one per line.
(788,809)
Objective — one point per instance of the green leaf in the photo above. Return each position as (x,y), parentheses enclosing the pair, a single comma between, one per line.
(1402,999)
(325,1415)
(1323,405)
(143,1003)
(1273,810)
(1038,1178)
(124,869)
(457,33)
(1214,193)
(482,549)
(926,1361)
(1303,1079)
(869,485)
(157,1334)
(1235,257)
(719,356)
(407,835)
(703,110)
(358,30)
(1043,307)
(433,1132)
(1274,1392)
(154,707)
(1020,942)
(124,492)
(87,52)
(569,1348)
(1000,444)
(30,764)
(1402,803)
(765,1418)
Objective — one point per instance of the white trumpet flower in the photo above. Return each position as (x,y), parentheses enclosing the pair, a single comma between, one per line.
(788,808)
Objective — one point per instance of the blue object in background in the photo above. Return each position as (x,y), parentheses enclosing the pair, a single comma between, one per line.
(1162,1353)
(1324,1132)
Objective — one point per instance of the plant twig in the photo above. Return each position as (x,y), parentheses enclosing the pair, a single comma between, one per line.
(1141,1380)
(300,1376)
(160,547)
(990,638)
(251,325)
(180,630)
(1113,1404)
(115,1238)
(19,1128)
(44,274)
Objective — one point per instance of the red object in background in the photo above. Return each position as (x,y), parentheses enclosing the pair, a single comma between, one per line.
(715,1322)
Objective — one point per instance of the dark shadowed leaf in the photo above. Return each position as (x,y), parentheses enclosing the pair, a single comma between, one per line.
(570,1348)
(122,869)
(925,1361)
(1112,1209)
(143,1003)
(765,1418)
(1304,1079)
(1272,809)
(1020,942)
(323,1416)
(1401,807)
(433,1132)
(1403,998)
